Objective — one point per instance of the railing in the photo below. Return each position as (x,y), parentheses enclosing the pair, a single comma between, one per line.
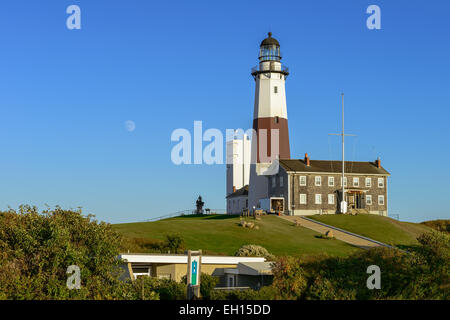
(270,68)
(186,213)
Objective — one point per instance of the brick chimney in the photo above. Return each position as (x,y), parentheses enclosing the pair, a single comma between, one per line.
(378,162)
(307,160)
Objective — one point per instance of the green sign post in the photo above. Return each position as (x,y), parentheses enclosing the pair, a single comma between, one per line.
(193,274)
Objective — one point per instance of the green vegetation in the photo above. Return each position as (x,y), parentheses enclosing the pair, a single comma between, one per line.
(222,234)
(36,249)
(387,230)
(251,250)
(173,243)
(439,225)
(422,273)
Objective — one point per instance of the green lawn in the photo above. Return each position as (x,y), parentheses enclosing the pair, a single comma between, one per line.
(379,228)
(221,234)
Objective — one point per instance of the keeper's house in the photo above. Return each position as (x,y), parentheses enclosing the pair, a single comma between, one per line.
(307,187)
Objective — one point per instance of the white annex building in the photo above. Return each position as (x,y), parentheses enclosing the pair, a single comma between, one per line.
(238,172)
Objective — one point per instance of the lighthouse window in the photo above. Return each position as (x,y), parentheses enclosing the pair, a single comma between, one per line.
(277,119)
(275,89)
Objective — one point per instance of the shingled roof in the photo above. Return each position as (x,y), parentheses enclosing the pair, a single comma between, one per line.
(240,192)
(332,166)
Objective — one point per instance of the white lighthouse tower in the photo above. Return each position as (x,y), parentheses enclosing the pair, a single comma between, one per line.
(270,140)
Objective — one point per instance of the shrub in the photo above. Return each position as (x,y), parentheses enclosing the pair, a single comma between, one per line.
(207,284)
(265,293)
(36,249)
(252,250)
(439,225)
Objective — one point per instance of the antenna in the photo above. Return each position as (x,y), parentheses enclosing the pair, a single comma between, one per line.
(343,202)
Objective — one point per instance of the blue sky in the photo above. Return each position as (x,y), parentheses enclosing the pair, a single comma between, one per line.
(65,95)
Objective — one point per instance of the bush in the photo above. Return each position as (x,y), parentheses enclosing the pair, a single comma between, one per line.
(439,225)
(419,274)
(252,250)
(36,249)
(265,293)
(207,284)
(172,243)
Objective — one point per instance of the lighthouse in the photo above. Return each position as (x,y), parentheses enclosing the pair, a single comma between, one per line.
(270,139)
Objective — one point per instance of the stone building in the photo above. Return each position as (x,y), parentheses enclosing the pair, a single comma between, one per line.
(309,187)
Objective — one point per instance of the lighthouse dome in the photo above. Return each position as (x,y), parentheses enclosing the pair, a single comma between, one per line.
(270,41)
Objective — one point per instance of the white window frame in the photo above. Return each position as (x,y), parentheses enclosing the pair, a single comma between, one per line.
(300,181)
(368,199)
(368,182)
(330,196)
(318,179)
(345,181)
(381,197)
(305,198)
(281,181)
(357,181)
(381,185)
(331,181)
(318,198)
(275,89)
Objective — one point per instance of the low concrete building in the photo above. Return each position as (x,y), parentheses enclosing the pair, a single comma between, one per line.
(252,275)
(174,266)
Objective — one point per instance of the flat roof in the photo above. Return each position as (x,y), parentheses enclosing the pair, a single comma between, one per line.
(181,258)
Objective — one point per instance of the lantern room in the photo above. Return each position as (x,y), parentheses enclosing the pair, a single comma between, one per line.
(269,49)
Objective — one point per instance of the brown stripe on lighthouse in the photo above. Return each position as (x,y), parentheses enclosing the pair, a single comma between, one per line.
(265,141)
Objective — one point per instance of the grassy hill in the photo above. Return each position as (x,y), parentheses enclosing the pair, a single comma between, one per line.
(221,234)
(379,228)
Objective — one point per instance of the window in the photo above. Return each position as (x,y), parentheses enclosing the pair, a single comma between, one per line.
(368,182)
(302,198)
(318,199)
(345,181)
(318,181)
(274,181)
(331,181)
(381,200)
(302,180)
(281,181)
(331,199)
(275,89)
(380,183)
(277,119)
(356,182)
(368,199)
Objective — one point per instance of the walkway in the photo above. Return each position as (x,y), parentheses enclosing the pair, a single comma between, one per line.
(340,234)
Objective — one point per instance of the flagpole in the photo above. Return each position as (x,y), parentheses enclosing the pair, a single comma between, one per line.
(343,210)
(342,134)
